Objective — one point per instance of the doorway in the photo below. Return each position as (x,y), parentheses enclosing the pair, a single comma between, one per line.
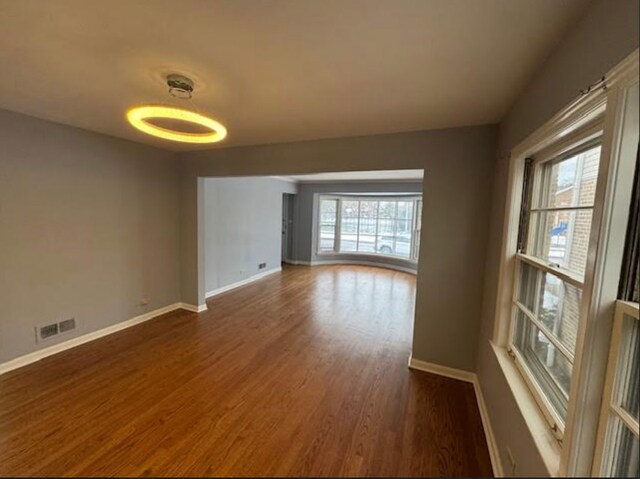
(287,227)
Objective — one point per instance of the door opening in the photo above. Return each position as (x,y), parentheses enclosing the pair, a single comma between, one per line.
(287,227)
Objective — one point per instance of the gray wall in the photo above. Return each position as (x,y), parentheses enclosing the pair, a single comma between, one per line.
(602,38)
(243,221)
(458,166)
(88,227)
(306,216)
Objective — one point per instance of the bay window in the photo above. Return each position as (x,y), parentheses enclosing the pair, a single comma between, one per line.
(388,226)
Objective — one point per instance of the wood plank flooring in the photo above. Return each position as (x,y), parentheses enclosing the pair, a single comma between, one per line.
(303,373)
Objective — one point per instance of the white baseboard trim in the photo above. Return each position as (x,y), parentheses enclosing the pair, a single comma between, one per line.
(243,282)
(472,378)
(192,308)
(85,338)
(494,452)
(441,370)
(354,262)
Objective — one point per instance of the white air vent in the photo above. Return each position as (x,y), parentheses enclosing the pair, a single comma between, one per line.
(48,331)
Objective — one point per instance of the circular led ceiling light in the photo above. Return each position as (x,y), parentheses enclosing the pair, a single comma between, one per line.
(179,87)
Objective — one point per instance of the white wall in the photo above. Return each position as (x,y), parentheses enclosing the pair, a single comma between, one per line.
(89,226)
(243,220)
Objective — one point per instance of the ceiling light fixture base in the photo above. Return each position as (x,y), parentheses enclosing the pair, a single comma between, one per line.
(180,86)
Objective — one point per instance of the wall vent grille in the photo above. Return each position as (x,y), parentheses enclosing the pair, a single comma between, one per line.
(67,325)
(48,331)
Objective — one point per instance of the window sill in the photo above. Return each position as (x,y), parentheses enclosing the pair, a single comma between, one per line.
(325,254)
(546,443)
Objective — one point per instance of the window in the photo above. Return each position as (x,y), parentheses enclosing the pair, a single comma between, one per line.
(563,249)
(328,219)
(618,447)
(561,222)
(550,275)
(388,226)
(619,453)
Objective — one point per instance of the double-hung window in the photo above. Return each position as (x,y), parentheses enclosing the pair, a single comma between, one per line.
(387,226)
(618,451)
(565,261)
(550,273)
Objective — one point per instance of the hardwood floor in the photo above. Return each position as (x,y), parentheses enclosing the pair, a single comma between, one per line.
(301,373)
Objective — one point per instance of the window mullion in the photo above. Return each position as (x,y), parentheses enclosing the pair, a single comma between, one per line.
(561,208)
(626,418)
(565,276)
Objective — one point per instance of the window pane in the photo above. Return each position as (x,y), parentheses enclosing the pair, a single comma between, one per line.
(550,369)
(328,215)
(397,245)
(368,223)
(561,238)
(403,236)
(386,227)
(571,182)
(622,455)
(628,374)
(385,244)
(328,210)
(388,210)
(387,213)
(559,309)
(555,303)
(405,210)
(416,239)
(327,237)
(404,226)
(403,245)
(527,288)
(349,226)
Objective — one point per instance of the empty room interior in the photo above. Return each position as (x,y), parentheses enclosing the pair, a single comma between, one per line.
(338,238)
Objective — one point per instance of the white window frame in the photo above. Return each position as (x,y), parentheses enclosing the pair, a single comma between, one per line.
(583,139)
(602,108)
(610,406)
(415,199)
(319,224)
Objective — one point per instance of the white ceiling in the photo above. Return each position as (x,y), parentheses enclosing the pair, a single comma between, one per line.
(277,70)
(373,176)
